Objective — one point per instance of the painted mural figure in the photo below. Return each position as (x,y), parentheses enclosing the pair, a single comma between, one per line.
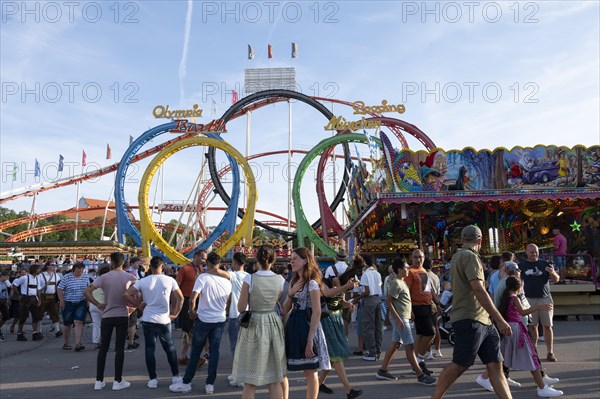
(463,182)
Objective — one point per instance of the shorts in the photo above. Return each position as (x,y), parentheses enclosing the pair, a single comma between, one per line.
(4,310)
(475,339)
(544,316)
(402,335)
(423,320)
(74,311)
(133,318)
(29,304)
(184,317)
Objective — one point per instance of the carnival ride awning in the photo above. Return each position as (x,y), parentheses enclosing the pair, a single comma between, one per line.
(429,197)
(83,248)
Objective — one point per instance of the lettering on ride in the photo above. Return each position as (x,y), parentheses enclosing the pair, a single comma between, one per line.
(361,109)
(163,112)
(340,123)
(176,208)
(185,126)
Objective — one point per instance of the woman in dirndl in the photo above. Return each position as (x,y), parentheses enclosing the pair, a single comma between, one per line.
(260,352)
(333,328)
(305,345)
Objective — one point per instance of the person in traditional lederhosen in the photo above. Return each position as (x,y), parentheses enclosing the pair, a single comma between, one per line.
(4,300)
(49,296)
(27,289)
(13,308)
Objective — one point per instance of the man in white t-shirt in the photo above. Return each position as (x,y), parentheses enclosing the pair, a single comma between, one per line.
(372,325)
(161,302)
(237,279)
(213,291)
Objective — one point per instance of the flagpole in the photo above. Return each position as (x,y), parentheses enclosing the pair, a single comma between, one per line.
(289,221)
(106,210)
(77,210)
(248,124)
(31,224)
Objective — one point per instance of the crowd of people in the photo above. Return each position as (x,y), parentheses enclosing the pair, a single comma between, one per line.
(295,317)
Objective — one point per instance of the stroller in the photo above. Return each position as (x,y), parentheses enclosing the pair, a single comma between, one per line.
(445,326)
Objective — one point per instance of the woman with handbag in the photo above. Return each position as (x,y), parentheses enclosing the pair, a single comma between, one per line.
(260,352)
(305,345)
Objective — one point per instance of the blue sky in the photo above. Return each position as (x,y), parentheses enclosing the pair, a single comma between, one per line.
(500,74)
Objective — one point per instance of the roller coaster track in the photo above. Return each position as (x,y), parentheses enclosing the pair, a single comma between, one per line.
(281,221)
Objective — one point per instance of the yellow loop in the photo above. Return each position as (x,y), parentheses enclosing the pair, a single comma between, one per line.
(149,231)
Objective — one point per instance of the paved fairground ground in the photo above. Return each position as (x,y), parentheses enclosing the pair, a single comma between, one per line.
(42,369)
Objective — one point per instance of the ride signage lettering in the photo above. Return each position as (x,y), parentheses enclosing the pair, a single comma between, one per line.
(340,123)
(361,109)
(185,126)
(161,111)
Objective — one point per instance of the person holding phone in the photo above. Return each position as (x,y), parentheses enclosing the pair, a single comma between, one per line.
(536,274)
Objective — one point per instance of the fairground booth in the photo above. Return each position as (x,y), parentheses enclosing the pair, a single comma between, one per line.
(423,199)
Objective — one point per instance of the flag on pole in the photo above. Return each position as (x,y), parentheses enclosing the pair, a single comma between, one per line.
(37,168)
(294,50)
(250,52)
(130,139)
(15,169)
(83,158)
(213,108)
(234,97)
(108,151)
(61,163)
(270,51)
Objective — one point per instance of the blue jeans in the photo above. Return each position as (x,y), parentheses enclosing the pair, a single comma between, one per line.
(233,329)
(202,332)
(152,331)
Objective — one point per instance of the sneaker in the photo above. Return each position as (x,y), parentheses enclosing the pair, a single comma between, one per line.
(133,345)
(513,383)
(230,378)
(369,357)
(549,380)
(98,385)
(325,389)
(21,337)
(117,386)
(426,379)
(484,383)
(176,380)
(37,336)
(210,389)
(437,353)
(354,393)
(542,339)
(424,368)
(428,356)
(58,334)
(551,357)
(180,387)
(153,383)
(548,392)
(385,375)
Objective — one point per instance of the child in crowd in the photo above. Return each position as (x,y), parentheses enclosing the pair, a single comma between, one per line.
(446,296)
(517,349)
